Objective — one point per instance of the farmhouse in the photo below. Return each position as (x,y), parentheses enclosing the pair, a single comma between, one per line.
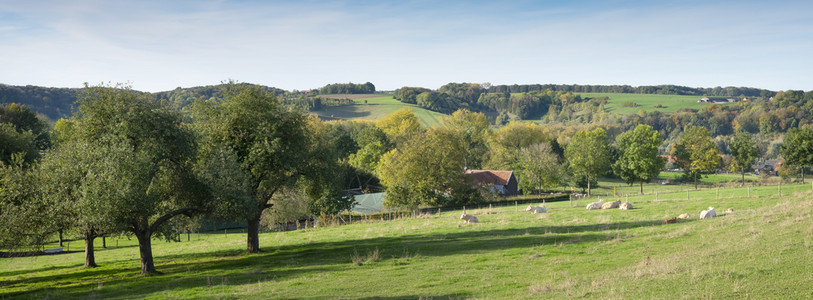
(718,99)
(504,182)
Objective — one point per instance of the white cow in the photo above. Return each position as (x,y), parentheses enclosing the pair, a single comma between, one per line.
(595,205)
(469,218)
(537,209)
(707,214)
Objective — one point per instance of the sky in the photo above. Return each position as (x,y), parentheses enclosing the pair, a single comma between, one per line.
(300,45)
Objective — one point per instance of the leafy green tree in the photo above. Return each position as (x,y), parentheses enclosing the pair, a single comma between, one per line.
(639,160)
(798,148)
(745,151)
(473,130)
(506,143)
(146,178)
(427,170)
(13,142)
(400,125)
(588,154)
(270,143)
(697,153)
(25,120)
(25,219)
(540,168)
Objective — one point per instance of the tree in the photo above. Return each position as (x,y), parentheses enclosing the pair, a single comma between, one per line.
(25,120)
(24,216)
(745,152)
(696,153)
(473,130)
(539,168)
(400,125)
(427,170)
(13,142)
(506,143)
(146,177)
(639,160)
(269,142)
(588,154)
(798,148)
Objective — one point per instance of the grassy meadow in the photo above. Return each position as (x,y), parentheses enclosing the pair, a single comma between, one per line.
(377,107)
(761,250)
(647,102)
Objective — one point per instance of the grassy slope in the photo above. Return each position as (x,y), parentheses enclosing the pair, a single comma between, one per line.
(647,102)
(763,249)
(377,108)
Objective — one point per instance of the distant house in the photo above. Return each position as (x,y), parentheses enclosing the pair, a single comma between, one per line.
(503,182)
(767,167)
(718,99)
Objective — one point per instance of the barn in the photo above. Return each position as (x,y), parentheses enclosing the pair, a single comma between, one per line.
(503,182)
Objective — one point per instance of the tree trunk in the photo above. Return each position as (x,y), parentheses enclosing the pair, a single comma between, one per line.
(104,242)
(642,188)
(253,236)
(60,238)
(145,249)
(743,176)
(803,175)
(695,181)
(588,187)
(90,258)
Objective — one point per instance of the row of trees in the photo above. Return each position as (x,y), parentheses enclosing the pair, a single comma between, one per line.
(126,163)
(347,88)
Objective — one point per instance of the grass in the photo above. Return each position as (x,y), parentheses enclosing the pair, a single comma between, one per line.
(647,102)
(376,108)
(761,250)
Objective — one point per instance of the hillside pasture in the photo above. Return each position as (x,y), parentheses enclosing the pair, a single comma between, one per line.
(762,249)
(375,108)
(647,102)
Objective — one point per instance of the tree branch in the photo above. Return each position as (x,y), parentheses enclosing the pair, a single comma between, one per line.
(171,214)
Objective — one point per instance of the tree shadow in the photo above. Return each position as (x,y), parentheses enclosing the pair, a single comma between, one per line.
(234,267)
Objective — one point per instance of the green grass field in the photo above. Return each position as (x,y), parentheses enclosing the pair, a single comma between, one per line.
(647,102)
(376,108)
(761,250)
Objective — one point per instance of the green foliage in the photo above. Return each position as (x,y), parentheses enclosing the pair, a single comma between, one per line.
(473,130)
(588,154)
(506,143)
(25,219)
(148,162)
(14,142)
(696,153)
(400,126)
(539,168)
(347,88)
(427,170)
(798,148)
(639,160)
(744,151)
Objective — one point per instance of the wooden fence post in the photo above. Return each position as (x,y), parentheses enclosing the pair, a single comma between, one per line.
(780,189)
(687,195)
(749,192)
(656,196)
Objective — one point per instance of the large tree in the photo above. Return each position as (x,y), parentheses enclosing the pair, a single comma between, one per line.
(428,169)
(639,160)
(798,148)
(539,168)
(144,176)
(473,130)
(25,219)
(270,143)
(589,154)
(696,152)
(745,151)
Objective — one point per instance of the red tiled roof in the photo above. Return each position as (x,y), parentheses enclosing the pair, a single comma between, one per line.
(488,177)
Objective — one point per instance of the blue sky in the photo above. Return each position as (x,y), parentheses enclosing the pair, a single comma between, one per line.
(160,45)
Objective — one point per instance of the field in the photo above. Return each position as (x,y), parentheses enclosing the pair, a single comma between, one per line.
(374,108)
(761,250)
(647,102)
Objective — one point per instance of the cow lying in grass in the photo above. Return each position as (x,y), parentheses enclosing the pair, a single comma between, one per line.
(468,218)
(707,214)
(595,205)
(537,209)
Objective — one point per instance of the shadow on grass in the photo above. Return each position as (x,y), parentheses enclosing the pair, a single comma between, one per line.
(233,267)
